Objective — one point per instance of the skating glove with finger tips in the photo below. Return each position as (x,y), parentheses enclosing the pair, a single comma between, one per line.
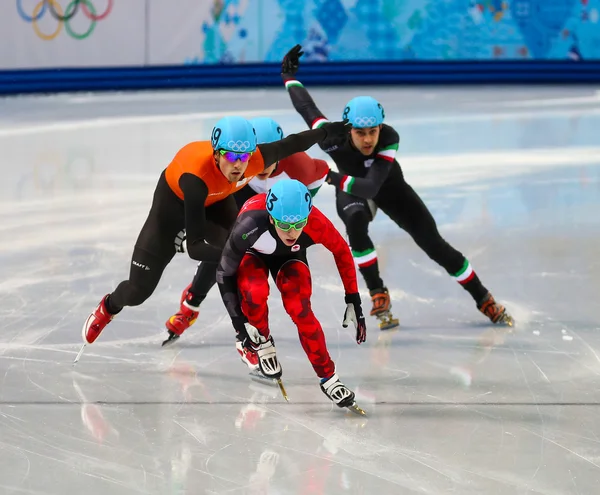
(354,315)
(247,334)
(291,62)
(336,132)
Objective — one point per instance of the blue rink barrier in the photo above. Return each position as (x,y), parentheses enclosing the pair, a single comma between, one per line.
(329,74)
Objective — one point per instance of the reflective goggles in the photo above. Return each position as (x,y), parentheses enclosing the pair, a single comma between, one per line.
(232,156)
(286,226)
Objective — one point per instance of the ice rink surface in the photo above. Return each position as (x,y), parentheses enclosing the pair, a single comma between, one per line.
(455,406)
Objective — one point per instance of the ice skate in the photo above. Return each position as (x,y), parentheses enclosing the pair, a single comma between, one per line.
(249,358)
(93,326)
(340,395)
(183,319)
(381,309)
(495,311)
(269,369)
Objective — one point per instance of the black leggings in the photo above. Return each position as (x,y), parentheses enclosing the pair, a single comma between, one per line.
(206,274)
(403,205)
(155,246)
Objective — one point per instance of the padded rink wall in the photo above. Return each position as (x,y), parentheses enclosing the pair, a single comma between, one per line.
(71,45)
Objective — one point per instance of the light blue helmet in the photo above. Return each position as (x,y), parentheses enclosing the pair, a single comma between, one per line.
(289,201)
(364,111)
(267,130)
(234,134)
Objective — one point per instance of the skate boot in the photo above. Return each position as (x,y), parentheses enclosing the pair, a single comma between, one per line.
(269,370)
(267,359)
(96,322)
(183,319)
(249,357)
(381,309)
(495,311)
(339,394)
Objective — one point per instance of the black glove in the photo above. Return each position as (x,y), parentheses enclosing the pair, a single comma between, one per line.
(291,62)
(336,131)
(354,314)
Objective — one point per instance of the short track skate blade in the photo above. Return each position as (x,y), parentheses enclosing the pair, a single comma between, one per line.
(283,392)
(79,355)
(258,377)
(506,320)
(356,409)
(171,340)
(387,323)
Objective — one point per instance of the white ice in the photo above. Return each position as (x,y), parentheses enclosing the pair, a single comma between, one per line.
(512,176)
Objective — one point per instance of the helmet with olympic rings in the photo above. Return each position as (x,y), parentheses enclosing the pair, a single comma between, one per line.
(364,111)
(289,200)
(234,134)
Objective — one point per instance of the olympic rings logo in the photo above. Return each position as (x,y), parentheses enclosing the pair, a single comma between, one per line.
(292,218)
(238,145)
(364,122)
(55,9)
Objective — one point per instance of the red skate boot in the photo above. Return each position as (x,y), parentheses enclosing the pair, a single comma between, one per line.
(183,319)
(249,357)
(96,322)
(495,311)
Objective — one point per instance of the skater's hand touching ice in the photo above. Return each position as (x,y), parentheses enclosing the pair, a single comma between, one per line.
(354,315)
(291,62)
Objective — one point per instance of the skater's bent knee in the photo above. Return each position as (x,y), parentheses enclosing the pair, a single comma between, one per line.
(358,218)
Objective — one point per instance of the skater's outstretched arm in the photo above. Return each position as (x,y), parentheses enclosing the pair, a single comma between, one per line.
(295,143)
(195,192)
(301,99)
(303,102)
(322,231)
(385,159)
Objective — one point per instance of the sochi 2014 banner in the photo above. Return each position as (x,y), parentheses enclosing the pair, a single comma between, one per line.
(72,33)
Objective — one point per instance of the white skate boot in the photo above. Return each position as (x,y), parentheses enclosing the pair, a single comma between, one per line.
(268,364)
(340,395)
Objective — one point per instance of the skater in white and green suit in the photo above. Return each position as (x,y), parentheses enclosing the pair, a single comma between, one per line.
(371,176)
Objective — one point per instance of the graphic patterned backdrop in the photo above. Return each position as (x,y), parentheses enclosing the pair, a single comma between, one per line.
(262,30)
(100,33)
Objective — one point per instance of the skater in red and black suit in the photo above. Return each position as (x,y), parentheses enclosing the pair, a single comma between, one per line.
(271,235)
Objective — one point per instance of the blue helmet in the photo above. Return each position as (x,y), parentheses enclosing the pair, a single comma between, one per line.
(289,201)
(267,130)
(364,111)
(233,134)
